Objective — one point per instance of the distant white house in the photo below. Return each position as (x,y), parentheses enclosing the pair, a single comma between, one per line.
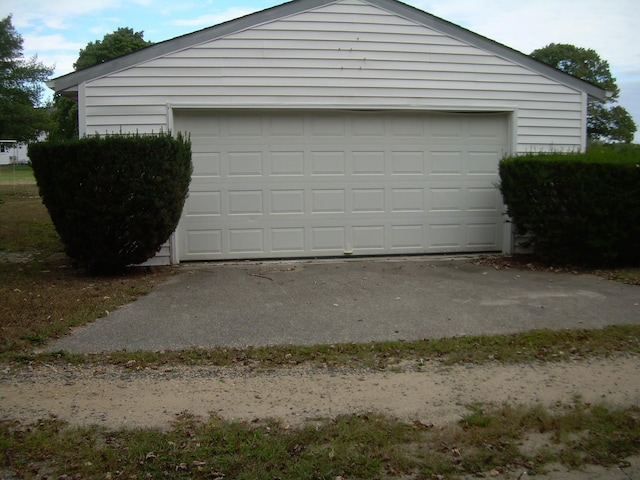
(337,127)
(13,153)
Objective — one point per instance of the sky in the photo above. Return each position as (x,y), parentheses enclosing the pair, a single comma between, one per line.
(55,31)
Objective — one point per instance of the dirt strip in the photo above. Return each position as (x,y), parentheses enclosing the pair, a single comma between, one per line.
(428,392)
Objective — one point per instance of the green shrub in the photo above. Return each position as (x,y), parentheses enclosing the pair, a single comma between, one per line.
(114,200)
(581,209)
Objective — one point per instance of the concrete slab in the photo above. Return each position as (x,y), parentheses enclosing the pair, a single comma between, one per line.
(355,300)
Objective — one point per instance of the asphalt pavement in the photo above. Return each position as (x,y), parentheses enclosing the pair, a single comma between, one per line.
(351,300)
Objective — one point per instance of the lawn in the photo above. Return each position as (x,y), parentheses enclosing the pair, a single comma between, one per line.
(16,175)
(487,442)
(42,297)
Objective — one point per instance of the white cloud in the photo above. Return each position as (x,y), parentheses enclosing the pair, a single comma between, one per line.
(45,43)
(57,15)
(213,19)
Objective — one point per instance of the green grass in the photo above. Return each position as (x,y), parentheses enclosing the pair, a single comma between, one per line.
(16,180)
(10,174)
(354,446)
(537,345)
(26,226)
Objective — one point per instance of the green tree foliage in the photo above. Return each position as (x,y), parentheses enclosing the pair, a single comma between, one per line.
(113,45)
(64,119)
(22,115)
(605,122)
(613,123)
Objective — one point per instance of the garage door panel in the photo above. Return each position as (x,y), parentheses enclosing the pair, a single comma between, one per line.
(482,235)
(407,200)
(368,162)
(326,126)
(285,128)
(329,239)
(288,240)
(445,162)
(483,199)
(444,236)
(407,126)
(447,128)
(407,163)
(205,164)
(241,126)
(368,200)
(368,128)
(467,235)
(287,202)
(445,199)
(294,184)
(205,203)
(483,163)
(488,131)
(407,237)
(198,123)
(245,202)
(327,201)
(205,243)
(369,237)
(327,163)
(286,163)
(246,240)
(244,163)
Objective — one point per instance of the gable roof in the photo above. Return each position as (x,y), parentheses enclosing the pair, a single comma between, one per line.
(69,83)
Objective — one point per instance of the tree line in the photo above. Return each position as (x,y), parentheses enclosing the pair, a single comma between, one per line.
(24,116)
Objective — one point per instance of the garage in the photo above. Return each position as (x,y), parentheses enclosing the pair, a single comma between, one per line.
(337,127)
(325,183)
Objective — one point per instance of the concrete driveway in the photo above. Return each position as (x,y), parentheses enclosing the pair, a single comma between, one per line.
(352,300)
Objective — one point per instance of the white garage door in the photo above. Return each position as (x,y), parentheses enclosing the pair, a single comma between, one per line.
(316,183)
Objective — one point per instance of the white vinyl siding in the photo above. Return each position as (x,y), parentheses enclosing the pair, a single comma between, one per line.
(349,55)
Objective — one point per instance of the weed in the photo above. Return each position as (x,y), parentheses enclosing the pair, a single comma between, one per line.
(34,339)
(354,446)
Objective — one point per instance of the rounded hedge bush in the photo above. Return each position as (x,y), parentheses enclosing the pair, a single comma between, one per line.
(114,200)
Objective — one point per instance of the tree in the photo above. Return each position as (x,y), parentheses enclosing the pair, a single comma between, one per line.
(612,123)
(23,116)
(113,45)
(605,122)
(64,119)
